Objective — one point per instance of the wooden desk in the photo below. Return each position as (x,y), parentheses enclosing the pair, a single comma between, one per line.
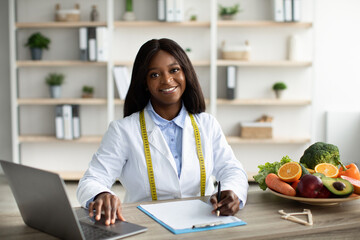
(260,213)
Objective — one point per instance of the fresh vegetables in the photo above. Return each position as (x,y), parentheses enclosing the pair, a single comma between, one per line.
(275,183)
(264,170)
(351,171)
(320,152)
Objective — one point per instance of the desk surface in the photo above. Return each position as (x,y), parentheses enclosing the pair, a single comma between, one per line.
(260,213)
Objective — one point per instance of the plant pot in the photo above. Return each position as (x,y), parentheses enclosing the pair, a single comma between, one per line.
(279,93)
(55,91)
(36,53)
(87,95)
(227,17)
(129,16)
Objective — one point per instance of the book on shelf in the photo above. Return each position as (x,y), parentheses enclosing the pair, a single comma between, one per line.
(161,10)
(67,121)
(174,10)
(122,80)
(230,82)
(92,44)
(83,43)
(286,10)
(102,44)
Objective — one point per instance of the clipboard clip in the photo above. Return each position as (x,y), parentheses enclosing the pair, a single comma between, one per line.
(212,224)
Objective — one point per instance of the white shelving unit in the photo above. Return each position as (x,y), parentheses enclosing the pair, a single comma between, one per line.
(34,142)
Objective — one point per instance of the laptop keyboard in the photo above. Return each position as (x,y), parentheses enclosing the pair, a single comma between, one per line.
(92,232)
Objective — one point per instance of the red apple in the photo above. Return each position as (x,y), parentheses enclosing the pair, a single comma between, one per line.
(309,186)
(323,193)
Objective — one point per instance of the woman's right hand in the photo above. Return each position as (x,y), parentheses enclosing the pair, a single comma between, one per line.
(110,204)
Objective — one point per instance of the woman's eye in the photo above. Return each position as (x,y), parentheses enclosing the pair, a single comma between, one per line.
(175,70)
(154,75)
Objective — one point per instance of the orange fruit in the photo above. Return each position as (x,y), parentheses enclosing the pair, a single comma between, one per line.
(354,182)
(290,172)
(328,169)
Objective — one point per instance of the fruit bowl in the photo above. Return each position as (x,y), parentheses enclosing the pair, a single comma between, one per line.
(318,201)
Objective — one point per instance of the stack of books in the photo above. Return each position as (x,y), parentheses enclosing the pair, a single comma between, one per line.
(286,10)
(67,121)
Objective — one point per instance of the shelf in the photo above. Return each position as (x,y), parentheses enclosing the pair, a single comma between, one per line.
(20,25)
(160,24)
(63,63)
(263,24)
(239,140)
(58,101)
(281,63)
(70,175)
(53,139)
(261,102)
(196,63)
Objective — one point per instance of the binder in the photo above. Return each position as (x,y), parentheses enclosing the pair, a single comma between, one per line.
(83,43)
(288,10)
(122,80)
(179,10)
(188,216)
(101,44)
(296,10)
(92,44)
(170,10)
(76,121)
(67,118)
(278,8)
(230,82)
(59,122)
(161,10)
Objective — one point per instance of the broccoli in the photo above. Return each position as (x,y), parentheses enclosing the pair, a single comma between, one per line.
(320,152)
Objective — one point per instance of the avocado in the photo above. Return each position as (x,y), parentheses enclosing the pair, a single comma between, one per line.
(338,186)
(320,175)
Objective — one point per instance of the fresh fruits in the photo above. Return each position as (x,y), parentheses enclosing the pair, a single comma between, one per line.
(309,186)
(354,182)
(324,193)
(290,172)
(328,169)
(338,186)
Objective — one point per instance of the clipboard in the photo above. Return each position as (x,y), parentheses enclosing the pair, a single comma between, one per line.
(188,216)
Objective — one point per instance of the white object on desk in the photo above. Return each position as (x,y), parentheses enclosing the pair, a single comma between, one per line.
(182,216)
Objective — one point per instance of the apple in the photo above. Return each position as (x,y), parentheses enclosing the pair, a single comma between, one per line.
(324,193)
(309,186)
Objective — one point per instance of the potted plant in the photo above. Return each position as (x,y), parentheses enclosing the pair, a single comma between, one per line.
(55,80)
(189,52)
(279,87)
(37,42)
(87,91)
(228,13)
(129,13)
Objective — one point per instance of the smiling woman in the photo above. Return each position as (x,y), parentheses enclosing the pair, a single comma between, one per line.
(166,146)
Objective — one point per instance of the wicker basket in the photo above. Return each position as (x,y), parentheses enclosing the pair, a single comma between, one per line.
(236,52)
(67,15)
(256,130)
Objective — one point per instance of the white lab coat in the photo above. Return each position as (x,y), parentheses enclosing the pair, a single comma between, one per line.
(121,156)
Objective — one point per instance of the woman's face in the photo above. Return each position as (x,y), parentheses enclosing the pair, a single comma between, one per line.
(165,80)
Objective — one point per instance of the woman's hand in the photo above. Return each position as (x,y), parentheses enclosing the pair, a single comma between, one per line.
(110,204)
(228,205)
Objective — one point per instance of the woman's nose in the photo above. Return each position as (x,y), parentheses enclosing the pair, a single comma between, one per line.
(167,77)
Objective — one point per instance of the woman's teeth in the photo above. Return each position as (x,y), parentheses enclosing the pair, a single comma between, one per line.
(168,89)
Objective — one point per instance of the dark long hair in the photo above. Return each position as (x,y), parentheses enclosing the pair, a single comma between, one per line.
(138,97)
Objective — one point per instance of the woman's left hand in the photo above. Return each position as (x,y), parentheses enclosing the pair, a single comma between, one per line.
(228,205)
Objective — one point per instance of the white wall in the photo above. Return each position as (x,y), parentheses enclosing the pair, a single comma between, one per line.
(5,113)
(337,62)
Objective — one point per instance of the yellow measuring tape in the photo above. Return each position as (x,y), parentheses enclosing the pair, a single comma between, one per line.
(149,162)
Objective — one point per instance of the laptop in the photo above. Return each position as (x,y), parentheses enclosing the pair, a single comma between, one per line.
(43,203)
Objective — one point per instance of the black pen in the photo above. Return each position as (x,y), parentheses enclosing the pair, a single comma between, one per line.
(218,199)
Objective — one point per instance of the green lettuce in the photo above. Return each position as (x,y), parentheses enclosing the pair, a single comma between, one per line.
(264,170)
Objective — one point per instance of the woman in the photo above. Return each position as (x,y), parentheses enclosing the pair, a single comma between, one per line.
(166,147)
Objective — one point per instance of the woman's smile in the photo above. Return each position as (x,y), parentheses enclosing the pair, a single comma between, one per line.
(169,90)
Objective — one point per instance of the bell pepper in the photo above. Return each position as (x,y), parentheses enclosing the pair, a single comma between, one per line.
(350,170)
